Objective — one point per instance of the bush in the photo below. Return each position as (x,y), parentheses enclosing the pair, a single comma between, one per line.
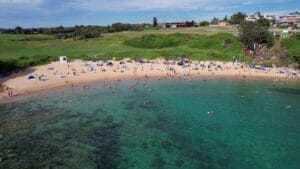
(292,44)
(22,63)
(204,23)
(213,42)
(158,41)
(252,34)
(34,38)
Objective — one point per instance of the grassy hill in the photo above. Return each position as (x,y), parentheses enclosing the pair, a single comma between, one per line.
(292,44)
(197,43)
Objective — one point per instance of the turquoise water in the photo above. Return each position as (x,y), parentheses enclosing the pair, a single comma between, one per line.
(158,124)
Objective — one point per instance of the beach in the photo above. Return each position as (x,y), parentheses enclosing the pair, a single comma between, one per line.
(78,72)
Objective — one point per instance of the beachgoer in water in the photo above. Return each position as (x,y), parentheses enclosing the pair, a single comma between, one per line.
(210,113)
(85,87)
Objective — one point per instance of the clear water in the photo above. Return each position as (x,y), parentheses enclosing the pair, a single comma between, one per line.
(162,124)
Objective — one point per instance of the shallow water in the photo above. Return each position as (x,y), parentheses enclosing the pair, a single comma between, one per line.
(160,124)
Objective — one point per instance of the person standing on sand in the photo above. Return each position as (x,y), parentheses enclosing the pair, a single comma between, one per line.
(10,93)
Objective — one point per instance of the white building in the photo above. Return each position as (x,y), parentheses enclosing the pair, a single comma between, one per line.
(254,17)
(270,17)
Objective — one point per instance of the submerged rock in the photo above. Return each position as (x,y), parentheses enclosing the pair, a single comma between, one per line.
(166,144)
(179,163)
(11,156)
(1,156)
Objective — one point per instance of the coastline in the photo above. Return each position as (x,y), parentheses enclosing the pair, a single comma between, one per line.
(62,75)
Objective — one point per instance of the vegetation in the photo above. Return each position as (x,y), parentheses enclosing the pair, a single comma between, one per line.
(237,18)
(158,41)
(292,44)
(225,19)
(77,32)
(21,51)
(86,32)
(154,22)
(23,62)
(263,22)
(252,34)
(204,23)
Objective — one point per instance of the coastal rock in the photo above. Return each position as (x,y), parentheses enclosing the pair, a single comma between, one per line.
(1,156)
(8,151)
(11,156)
(1,137)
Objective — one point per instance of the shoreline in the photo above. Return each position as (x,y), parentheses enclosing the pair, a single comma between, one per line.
(155,69)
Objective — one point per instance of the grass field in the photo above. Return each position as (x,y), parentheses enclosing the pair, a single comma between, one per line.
(110,45)
(196,43)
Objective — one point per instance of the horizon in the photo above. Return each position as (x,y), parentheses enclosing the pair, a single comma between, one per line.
(46,13)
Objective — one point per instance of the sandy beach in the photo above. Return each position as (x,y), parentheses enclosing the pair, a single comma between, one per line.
(78,72)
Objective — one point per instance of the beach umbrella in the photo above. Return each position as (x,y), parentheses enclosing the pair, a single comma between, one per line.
(31,77)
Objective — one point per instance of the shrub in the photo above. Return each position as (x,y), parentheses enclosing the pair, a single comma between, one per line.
(158,41)
(252,33)
(292,44)
(22,63)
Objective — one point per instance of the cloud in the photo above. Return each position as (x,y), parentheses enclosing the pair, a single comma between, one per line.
(147,5)
(20,2)
(136,5)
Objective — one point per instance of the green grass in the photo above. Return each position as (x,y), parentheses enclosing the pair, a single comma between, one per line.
(292,44)
(154,41)
(197,43)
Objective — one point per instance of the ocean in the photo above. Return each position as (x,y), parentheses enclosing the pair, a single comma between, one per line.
(149,124)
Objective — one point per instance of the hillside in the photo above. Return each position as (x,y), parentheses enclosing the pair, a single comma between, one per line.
(201,44)
(292,45)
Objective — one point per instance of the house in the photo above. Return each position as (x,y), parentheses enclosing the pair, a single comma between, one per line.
(223,24)
(254,17)
(175,25)
(270,17)
(293,19)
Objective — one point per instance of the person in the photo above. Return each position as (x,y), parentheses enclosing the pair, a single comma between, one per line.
(10,93)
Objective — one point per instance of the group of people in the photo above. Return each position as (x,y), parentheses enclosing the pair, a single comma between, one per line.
(10,93)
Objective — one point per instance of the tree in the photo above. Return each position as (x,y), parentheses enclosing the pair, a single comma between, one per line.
(215,21)
(204,23)
(263,22)
(193,23)
(154,22)
(18,30)
(85,32)
(225,19)
(252,34)
(237,18)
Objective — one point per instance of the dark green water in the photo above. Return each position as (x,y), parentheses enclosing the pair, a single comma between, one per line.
(162,124)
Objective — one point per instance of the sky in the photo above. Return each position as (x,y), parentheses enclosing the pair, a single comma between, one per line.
(50,13)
